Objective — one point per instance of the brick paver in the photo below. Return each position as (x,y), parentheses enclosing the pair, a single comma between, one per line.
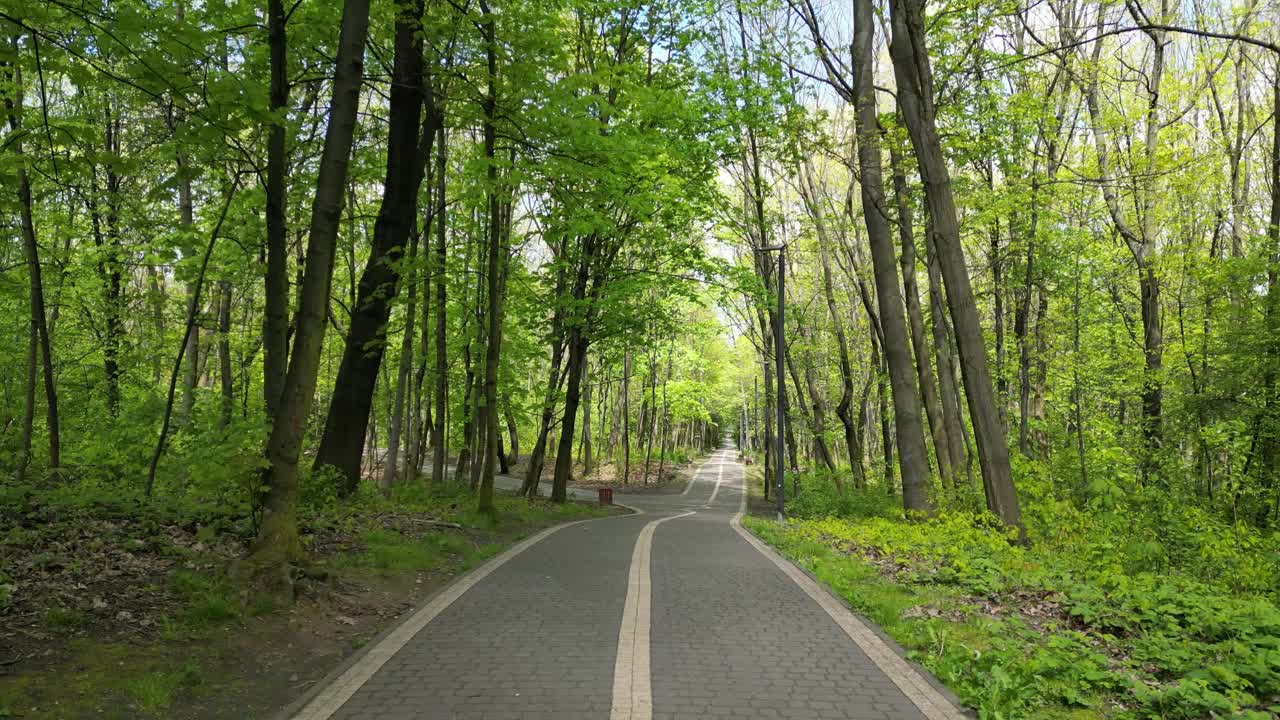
(733,637)
(730,634)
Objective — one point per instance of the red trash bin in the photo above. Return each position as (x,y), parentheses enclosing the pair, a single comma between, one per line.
(606,495)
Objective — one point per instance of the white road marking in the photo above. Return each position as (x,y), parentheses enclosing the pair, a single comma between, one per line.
(719,478)
(918,690)
(694,479)
(632,691)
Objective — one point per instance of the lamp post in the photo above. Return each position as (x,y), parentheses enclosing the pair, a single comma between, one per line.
(779,350)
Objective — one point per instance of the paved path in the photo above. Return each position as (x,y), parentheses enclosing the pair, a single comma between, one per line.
(675,612)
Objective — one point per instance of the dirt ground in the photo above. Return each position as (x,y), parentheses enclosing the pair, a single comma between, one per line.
(125,618)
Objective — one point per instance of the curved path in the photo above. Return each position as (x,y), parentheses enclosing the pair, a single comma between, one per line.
(673,612)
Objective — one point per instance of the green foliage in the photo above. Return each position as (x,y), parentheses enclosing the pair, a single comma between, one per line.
(208,600)
(1090,616)
(155,692)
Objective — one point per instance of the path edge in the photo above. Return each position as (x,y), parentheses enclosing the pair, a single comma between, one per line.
(295,708)
(952,707)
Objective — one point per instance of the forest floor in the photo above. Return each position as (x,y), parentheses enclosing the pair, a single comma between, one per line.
(124,610)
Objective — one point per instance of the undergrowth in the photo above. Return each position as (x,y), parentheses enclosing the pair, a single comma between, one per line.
(1150,610)
(121,590)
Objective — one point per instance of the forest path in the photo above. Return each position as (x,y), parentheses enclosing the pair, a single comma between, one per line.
(673,612)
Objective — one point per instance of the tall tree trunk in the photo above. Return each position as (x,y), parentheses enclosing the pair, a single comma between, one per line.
(512,430)
(110,264)
(343,440)
(844,406)
(626,417)
(995,257)
(29,404)
(277,541)
(913,458)
(912,69)
(390,468)
(186,218)
(225,374)
(586,430)
(31,253)
(275,320)
(439,449)
(947,390)
(915,320)
(1140,240)
(497,265)
(564,451)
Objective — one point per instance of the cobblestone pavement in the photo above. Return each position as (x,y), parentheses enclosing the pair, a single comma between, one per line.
(710,627)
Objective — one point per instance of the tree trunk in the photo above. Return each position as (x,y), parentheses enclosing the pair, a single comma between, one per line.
(110,266)
(626,417)
(564,451)
(439,449)
(225,373)
(497,257)
(186,218)
(913,458)
(915,94)
(947,390)
(29,404)
(342,443)
(275,321)
(402,375)
(1141,241)
(915,319)
(512,431)
(844,406)
(277,541)
(586,430)
(31,253)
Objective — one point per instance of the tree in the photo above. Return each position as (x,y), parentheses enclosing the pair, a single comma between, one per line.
(912,69)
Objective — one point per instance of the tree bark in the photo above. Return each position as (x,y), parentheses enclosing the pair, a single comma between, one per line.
(586,431)
(1140,241)
(277,541)
(275,321)
(915,320)
(31,253)
(390,469)
(913,458)
(439,449)
(497,257)
(844,406)
(225,374)
(907,48)
(342,443)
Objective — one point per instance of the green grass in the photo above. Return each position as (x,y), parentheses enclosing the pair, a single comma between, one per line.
(209,601)
(155,692)
(972,655)
(65,618)
(126,681)
(389,552)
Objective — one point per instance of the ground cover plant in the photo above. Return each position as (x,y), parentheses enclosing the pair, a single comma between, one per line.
(1154,612)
